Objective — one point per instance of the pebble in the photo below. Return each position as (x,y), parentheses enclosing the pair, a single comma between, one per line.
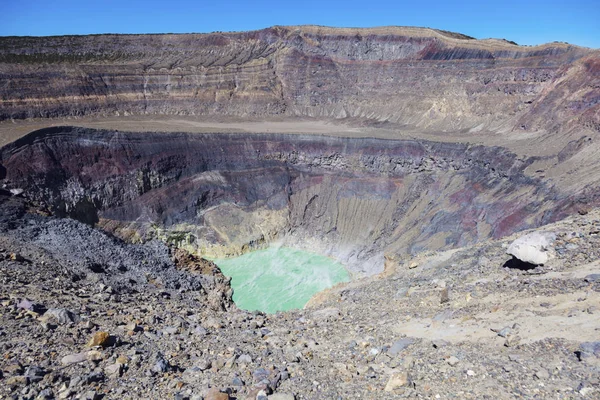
(161,365)
(592,278)
(282,396)
(504,332)
(29,305)
(100,338)
(16,381)
(400,345)
(34,373)
(542,374)
(216,394)
(73,358)
(90,395)
(45,394)
(114,370)
(244,359)
(453,361)
(397,380)
(512,340)
(61,315)
(204,364)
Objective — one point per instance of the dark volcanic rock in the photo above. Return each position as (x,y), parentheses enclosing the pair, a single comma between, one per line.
(350,197)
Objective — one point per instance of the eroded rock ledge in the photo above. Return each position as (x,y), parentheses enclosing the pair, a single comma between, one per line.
(415,77)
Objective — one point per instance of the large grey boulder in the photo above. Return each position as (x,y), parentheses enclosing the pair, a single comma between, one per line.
(532,248)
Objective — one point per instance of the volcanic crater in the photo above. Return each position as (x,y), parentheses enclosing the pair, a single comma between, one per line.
(412,156)
(217,195)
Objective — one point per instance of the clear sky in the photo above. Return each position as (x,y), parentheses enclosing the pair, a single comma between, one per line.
(523,21)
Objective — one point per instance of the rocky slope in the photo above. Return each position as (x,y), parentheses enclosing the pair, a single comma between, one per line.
(460,324)
(222,194)
(421,78)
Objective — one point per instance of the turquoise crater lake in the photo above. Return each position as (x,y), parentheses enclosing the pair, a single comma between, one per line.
(279,278)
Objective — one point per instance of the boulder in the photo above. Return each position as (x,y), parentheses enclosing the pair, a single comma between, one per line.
(532,248)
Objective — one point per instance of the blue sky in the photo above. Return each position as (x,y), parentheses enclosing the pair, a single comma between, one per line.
(524,21)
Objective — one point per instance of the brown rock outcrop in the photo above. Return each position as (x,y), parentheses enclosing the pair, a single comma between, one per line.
(416,77)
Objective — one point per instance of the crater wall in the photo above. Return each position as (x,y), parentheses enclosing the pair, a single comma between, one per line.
(356,199)
(420,78)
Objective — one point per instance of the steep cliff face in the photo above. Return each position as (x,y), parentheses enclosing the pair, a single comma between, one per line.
(421,78)
(220,194)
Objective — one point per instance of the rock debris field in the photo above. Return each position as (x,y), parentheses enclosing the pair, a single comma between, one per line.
(84,315)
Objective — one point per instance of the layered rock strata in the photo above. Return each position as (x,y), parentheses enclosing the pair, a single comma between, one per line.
(222,194)
(419,78)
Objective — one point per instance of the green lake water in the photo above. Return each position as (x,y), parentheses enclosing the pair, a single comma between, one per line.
(279,279)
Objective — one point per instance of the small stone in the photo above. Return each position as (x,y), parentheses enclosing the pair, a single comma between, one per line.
(397,380)
(592,278)
(262,395)
(213,323)
(29,305)
(586,390)
(16,257)
(326,314)
(216,394)
(439,343)
(512,340)
(260,374)
(170,330)
(244,359)
(504,332)
(114,370)
(370,373)
(204,364)
(133,327)
(14,368)
(589,351)
(61,315)
(237,381)
(542,374)
(413,265)
(65,393)
(199,330)
(453,361)
(89,325)
(94,355)
(94,377)
(515,357)
(161,365)
(444,296)
(45,394)
(17,381)
(282,396)
(230,361)
(90,395)
(470,372)
(73,358)
(34,373)
(122,359)
(400,345)
(100,338)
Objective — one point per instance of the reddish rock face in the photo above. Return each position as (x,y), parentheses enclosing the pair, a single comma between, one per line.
(420,78)
(357,197)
